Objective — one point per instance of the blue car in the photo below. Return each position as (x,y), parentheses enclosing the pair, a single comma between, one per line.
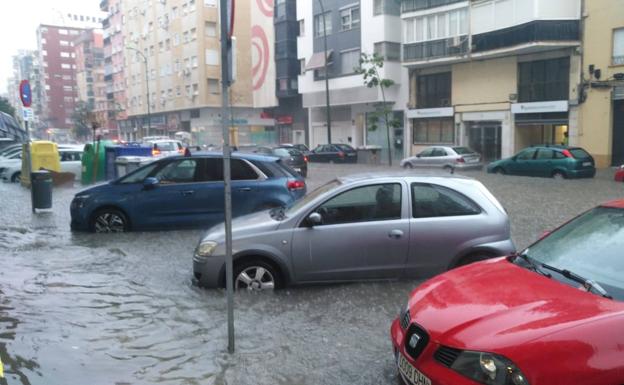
(185,192)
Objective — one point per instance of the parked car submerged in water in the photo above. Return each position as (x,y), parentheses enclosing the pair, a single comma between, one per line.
(185,191)
(361,228)
(547,161)
(333,153)
(549,315)
(445,157)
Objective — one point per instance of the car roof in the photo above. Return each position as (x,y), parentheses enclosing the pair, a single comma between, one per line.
(616,204)
(235,155)
(403,175)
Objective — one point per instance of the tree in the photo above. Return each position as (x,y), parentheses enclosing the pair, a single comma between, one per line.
(83,119)
(369,69)
(6,107)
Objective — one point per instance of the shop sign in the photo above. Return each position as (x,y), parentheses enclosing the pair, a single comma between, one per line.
(286,119)
(538,107)
(425,113)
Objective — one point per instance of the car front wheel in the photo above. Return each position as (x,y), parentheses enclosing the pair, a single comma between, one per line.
(109,221)
(256,276)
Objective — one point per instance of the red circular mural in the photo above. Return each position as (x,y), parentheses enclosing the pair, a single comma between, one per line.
(260,64)
(266,7)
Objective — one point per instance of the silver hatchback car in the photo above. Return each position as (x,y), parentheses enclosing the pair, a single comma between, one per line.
(447,157)
(356,228)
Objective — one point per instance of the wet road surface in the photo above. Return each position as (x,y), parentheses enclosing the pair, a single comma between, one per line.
(120,309)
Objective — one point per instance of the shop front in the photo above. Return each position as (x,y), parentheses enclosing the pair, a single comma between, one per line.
(541,123)
(431,126)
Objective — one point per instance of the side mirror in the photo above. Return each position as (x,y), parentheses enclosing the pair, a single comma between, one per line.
(314,219)
(150,183)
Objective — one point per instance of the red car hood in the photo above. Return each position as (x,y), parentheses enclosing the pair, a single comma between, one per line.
(495,305)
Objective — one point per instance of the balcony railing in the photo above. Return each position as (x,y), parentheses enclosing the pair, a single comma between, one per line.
(618,60)
(435,49)
(417,5)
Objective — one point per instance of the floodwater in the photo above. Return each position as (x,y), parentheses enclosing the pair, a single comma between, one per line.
(120,309)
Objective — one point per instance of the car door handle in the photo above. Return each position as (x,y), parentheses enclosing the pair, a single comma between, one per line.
(395,234)
(188,193)
(244,189)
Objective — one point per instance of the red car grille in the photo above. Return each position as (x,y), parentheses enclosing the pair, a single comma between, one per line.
(446,356)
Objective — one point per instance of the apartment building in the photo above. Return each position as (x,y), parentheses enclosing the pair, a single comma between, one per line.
(26,67)
(178,44)
(352,28)
(114,66)
(495,75)
(601,130)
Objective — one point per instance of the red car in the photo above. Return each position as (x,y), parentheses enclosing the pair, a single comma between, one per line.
(551,315)
(619,174)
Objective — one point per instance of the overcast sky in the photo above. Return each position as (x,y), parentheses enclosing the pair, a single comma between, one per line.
(19,21)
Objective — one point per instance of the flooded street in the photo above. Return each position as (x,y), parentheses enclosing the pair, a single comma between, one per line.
(120,309)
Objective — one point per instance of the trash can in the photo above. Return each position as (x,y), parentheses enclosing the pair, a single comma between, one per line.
(93,162)
(369,154)
(114,152)
(41,189)
(127,164)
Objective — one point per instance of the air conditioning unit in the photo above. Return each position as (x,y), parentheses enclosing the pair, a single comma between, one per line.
(456,42)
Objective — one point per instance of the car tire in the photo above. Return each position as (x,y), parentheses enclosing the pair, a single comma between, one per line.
(256,275)
(472,258)
(15,178)
(408,166)
(500,171)
(448,168)
(558,175)
(109,220)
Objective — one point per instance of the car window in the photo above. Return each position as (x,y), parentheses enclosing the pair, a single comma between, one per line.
(363,204)
(429,200)
(264,150)
(212,170)
(559,155)
(462,150)
(579,153)
(281,152)
(139,175)
(544,153)
(70,156)
(180,171)
(525,155)
(242,171)
(345,147)
(427,152)
(166,146)
(438,152)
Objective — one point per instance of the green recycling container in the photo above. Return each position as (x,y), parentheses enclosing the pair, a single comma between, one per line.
(93,165)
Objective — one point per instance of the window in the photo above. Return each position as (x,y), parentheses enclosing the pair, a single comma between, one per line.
(64,43)
(377,7)
(191,5)
(302,27)
(176,66)
(429,200)
(544,80)
(195,89)
(178,91)
(363,204)
(240,170)
(441,25)
(186,37)
(210,3)
(349,61)
(318,24)
(525,155)
(182,171)
(167,44)
(65,54)
(302,64)
(388,50)
(188,91)
(176,39)
(63,32)
(65,66)
(212,57)
(433,91)
(210,29)
(174,12)
(433,131)
(213,86)
(618,47)
(194,62)
(544,154)
(283,84)
(350,18)
(193,33)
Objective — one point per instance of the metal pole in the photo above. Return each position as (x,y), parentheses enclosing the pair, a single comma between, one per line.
(229,265)
(326,74)
(149,110)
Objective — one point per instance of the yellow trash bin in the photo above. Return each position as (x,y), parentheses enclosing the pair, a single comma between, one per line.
(44,155)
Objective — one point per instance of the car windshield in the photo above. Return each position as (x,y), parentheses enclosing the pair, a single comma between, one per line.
(579,153)
(590,246)
(312,196)
(462,150)
(166,146)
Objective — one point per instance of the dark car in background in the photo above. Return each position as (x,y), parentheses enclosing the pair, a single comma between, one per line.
(185,191)
(290,156)
(333,153)
(299,146)
(561,162)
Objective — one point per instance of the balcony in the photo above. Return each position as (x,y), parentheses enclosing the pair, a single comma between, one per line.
(617,60)
(418,5)
(435,49)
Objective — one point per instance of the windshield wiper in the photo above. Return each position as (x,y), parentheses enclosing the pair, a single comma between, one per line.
(588,284)
(532,265)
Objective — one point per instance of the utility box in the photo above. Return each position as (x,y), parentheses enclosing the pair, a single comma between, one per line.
(369,154)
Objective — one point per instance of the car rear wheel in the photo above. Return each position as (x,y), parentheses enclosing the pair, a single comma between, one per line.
(408,166)
(109,221)
(558,175)
(256,275)
(500,171)
(16,177)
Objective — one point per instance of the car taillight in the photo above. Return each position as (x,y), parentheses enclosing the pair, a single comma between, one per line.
(341,154)
(460,160)
(567,153)
(305,159)
(181,151)
(295,184)
(155,152)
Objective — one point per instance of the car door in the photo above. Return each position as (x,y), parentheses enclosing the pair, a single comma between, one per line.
(438,157)
(542,165)
(173,202)
(423,158)
(442,222)
(521,163)
(364,235)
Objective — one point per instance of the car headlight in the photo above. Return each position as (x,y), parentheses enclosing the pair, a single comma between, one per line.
(489,369)
(205,249)
(79,201)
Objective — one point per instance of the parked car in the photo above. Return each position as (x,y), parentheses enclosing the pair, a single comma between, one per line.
(547,161)
(184,191)
(446,157)
(548,315)
(301,147)
(360,228)
(11,167)
(70,161)
(165,147)
(290,156)
(619,174)
(333,153)
(10,151)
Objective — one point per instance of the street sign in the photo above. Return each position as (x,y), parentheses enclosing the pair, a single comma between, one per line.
(231,4)
(25,93)
(27,114)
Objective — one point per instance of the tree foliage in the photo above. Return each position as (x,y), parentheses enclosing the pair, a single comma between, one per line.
(83,119)
(6,107)
(383,115)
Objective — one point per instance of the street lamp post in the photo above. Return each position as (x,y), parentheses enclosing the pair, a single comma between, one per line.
(328,117)
(149,111)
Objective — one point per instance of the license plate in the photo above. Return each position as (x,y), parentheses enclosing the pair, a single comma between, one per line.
(586,164)
(411,374)
(297,169)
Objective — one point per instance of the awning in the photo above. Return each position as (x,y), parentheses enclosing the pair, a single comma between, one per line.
(318,60)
